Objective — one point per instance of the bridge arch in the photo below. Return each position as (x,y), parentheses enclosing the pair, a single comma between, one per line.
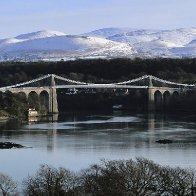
(44,100)
(33,99)
(175,94)
(158,100)
(22,96)
(175,100)
(166,98)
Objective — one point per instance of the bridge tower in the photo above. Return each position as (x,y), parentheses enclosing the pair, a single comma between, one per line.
(151,101)
(53,104)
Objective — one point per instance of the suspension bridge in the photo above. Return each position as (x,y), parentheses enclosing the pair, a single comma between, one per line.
(159,90)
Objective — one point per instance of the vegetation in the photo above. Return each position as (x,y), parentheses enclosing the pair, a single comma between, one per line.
(51,181)
(140,177)
(100,70)
(137,178)
(16,105)
(7,186)
(12,105)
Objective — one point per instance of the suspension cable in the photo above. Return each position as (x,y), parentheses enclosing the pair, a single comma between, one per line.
(84,83)
(28,82)
(172,83)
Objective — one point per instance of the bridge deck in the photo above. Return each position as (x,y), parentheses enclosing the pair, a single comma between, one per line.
(95,86)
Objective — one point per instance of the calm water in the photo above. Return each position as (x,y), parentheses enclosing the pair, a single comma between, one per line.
(77,140)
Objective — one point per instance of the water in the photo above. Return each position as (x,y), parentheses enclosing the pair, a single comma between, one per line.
(77,140)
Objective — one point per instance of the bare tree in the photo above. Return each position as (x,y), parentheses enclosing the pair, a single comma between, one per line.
(7,186)
(90,180)
(176,181)
(140,177)
(51,182)
(126,178)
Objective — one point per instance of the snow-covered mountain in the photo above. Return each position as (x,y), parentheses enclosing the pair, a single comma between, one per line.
(102,43)
(52,45)
(157,43)
(108,32)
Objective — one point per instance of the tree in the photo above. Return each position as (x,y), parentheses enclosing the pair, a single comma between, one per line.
(49,181)
(90,180)
(176,181)
(126,178)
(7,186)
(141,177)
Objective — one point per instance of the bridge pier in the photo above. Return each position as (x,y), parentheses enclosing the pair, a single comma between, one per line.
(53,104)
(151,100)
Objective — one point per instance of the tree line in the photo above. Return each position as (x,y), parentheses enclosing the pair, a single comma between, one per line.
(140,177)
(101,70)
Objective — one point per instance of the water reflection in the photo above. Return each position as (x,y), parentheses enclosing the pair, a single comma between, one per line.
(75,140)
(156,122)
(32,119)
(53,118)
(52,133)
(51,139)
(151,121)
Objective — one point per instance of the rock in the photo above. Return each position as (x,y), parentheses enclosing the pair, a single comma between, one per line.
(9,145)
(164,141)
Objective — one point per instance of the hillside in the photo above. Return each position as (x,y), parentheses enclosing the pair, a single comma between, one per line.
(49,45)
(104,43)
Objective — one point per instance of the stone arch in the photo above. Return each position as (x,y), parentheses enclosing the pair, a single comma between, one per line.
(44,100)
(33,99)
(166,98)
(158,100)
(22,96)
(175,100)
(175,94)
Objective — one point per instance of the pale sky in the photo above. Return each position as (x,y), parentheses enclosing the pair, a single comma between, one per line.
(79,16)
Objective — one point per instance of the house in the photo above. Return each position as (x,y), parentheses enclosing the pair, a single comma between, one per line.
(31,112)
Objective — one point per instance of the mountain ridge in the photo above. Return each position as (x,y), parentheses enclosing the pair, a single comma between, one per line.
(102,43)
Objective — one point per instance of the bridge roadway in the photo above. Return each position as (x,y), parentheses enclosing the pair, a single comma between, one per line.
(96,86)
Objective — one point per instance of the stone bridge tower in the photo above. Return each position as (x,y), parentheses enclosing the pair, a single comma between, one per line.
(151,106)
(53,104)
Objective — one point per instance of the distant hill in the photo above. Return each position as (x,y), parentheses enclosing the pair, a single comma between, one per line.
(102,43)
(51,45)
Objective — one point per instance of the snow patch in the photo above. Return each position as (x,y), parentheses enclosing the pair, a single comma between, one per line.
(102,43)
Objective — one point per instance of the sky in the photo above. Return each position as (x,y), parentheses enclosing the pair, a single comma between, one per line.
(79,16)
